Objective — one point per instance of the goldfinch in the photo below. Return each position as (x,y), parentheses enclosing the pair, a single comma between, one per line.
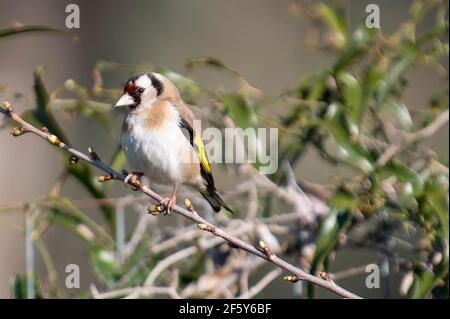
(159,141)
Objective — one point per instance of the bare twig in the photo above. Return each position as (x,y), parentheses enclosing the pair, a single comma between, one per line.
(170,291)
(165,263)
(349,272)
(135,239)
(267,279)
(430,129)
(192,215)
(189,251)
(426,132)
(29,252)
(120,232)
(187,235)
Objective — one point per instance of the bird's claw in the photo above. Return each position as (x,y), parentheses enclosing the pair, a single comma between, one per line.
(168,204)
(133,179)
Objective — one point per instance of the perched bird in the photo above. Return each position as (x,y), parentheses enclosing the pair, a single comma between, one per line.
(159,141)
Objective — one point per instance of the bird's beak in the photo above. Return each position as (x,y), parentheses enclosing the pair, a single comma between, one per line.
(125,100)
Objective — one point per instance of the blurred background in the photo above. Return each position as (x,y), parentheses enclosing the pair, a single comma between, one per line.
(263,40)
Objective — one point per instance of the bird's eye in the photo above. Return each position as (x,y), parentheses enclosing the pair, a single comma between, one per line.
(141,90)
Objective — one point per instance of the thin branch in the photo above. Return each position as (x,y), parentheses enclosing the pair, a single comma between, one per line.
(190,214)
(430,129)
(426,132)
(120,232)
(135,239)
(47,202)
(185,235)
(189,251)
(170,291)
(266,280)
(349,272)
(29,253)
(165,263)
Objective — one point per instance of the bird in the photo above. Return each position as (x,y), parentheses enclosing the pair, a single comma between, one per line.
(159,140)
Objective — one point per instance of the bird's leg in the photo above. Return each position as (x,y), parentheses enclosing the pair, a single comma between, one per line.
(170,202)
(134,178)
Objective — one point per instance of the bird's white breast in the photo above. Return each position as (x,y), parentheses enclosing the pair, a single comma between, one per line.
(157,152)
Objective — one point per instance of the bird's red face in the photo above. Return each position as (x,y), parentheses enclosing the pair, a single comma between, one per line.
(132,89)
(131,95)
(142,89)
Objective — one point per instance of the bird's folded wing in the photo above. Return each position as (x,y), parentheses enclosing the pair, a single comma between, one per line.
(197,143)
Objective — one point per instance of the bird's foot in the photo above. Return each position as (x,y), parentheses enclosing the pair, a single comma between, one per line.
(133,179)
(168,204)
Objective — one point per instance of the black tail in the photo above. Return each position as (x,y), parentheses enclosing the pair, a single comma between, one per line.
(210,194)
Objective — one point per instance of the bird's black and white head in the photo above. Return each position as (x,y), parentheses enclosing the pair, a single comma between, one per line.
(143,89)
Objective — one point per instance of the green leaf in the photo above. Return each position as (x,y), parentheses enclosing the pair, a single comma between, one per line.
(89,109)
(351,151)
(424,281)
(212,62)
(118,160)
(409,53)
(433,215)
(80,90)
(342,205)
(245,88)
(336,222)
(313,87)
(435,202)
(133,270)
(343,200)
(400,112)
(371,80)
(65,213)
(404,174)
(206,60)
(42,112)
(335,21)
(352,92)
(27,29)
(190,89)
(356,48)
(83,173)
(139,259)
(105,267)
(239,110)
(18,286)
